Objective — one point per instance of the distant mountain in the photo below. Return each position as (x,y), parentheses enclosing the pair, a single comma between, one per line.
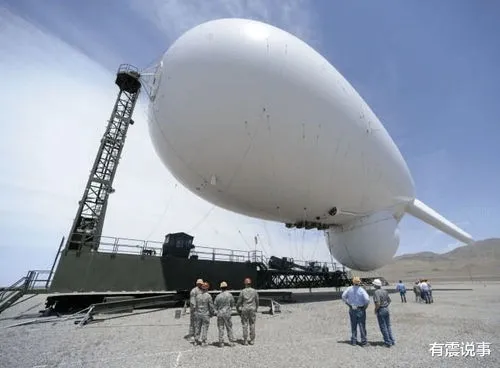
(478,261)
(430,256)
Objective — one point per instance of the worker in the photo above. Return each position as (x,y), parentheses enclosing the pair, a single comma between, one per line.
(424,288)
(192,297)
(204,309)
(416,290)
(382,300)
(402,291)
(431,299)
(357,299)
(247,305)
(224,304)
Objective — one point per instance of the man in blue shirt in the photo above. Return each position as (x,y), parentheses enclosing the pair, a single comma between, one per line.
(402,291)
(357,299)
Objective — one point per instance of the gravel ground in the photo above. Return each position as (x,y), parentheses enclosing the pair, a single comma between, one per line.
(303,335)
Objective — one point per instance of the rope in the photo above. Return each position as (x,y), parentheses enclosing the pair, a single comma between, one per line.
(205,216)
(262,246)
(169,202)
(48,319)
(244,240)
(268,236)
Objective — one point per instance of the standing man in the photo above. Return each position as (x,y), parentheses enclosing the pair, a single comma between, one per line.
(382,300)
(402,291)
(224,304)
(431,299)
(357,299)
(425,291)
(247,305)
(416,290)
(204,309)
(192,299)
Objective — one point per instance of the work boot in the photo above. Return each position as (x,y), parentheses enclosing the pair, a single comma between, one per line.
(220,344)
(231,343)
(245,342)
(250,342)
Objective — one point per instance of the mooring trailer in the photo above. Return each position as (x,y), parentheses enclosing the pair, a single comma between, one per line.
(124,265)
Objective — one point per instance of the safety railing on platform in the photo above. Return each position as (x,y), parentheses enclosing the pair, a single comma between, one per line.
(117,245)
(34,281)
(155,248)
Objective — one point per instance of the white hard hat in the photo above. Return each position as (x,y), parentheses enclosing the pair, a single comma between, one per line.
(199,282)
(377,282)
(223,284)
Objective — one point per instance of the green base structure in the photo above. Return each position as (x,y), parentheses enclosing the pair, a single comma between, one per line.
(105,272)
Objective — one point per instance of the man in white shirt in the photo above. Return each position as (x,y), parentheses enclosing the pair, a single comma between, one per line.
(357,299)
(425,291)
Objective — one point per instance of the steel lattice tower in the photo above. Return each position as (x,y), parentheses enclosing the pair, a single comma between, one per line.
(87,227)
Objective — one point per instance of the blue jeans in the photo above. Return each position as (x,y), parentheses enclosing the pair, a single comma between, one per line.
(384,322)
(358,318)
(402,294)
(425,296)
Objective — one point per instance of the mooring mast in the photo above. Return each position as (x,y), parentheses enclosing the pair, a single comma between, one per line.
(87,227)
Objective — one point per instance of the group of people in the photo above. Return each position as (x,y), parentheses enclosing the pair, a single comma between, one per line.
(203,307)
(358,300)
(423,291)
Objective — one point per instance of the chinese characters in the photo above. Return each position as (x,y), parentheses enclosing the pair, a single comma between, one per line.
(463,349)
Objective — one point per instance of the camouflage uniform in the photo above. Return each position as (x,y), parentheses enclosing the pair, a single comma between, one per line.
(224,303)
(248,303)
(204,309)
(192,300)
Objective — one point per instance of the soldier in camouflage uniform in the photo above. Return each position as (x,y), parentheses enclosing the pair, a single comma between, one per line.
(247,305)
(203,309)
(192,297)
(224,303)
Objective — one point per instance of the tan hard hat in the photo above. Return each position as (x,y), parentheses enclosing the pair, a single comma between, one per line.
(199,282)
(223,284)
(356,280)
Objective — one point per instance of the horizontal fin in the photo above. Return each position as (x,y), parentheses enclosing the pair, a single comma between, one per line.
(423,212)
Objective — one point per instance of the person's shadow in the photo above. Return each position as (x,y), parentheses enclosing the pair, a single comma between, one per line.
(370,343)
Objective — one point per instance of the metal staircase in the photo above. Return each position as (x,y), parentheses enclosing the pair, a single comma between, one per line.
(25,285)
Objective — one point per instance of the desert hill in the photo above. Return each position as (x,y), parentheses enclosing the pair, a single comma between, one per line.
(477,262)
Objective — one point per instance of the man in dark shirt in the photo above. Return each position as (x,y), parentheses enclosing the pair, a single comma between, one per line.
(382,300)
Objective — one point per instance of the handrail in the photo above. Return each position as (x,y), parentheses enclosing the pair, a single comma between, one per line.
(12,287)
(30,282)
(152,248)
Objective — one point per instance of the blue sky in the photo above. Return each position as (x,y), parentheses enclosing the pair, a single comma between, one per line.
(429,70)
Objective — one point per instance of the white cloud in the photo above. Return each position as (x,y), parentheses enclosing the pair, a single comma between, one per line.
(174,17)
(56,103)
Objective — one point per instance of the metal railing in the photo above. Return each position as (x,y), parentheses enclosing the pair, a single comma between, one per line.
(116,245)
(128,68)
(34,281)
(154,248)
